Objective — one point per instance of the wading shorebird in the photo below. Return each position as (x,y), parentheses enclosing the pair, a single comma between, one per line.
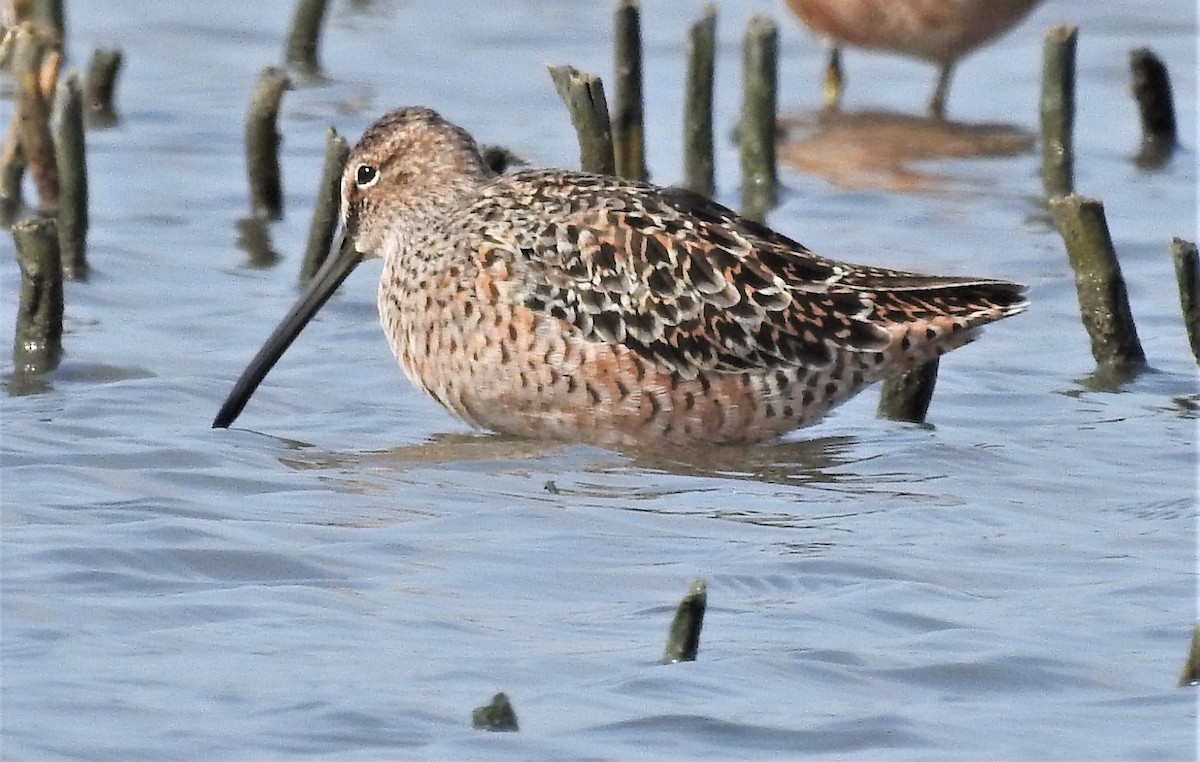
(938,31)
(581,307)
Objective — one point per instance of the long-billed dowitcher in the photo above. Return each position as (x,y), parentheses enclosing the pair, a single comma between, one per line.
(557,304)
(938,31)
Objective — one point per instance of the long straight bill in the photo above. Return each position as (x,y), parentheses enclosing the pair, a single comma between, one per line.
(324,283)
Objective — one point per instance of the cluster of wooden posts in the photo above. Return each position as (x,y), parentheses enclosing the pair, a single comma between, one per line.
(616,146)
(1103,301)
(46,137)
(613,142)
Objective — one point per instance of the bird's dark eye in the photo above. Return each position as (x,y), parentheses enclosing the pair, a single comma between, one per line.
(366,175)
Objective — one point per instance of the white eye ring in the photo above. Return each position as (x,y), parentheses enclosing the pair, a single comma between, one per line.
(366,175)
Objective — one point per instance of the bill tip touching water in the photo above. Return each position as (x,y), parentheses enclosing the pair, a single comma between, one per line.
(566,305)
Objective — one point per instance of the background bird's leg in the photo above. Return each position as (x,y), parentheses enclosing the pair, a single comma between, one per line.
(937,103)
(833,82)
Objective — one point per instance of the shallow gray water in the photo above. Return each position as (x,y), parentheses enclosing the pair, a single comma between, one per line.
(351,572)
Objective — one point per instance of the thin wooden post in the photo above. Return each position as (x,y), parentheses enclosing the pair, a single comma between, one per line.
(756,134)
(12,172)
(254,238)
(325,210)
(907,397)
(698,168)
(1191,666)
(628,128)
(304,39)
(71,156)
(1156,106)
(1187,273)
(262,144)
(1103,302)
(1057,109)
(683,640)
(583,95)
(37,344)
(100,87)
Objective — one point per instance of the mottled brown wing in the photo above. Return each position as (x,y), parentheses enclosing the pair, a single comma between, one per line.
(686,282)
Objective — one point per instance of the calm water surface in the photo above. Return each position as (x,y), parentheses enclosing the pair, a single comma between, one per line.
(350,572)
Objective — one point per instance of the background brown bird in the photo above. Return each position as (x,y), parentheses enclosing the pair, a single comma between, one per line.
(938,31)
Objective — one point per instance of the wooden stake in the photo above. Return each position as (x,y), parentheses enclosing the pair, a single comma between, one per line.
(304,39)
(1187,273)
(1103,302)
(583,94)
(756,133)
(37,345)
(1191,667)
(262,144)
(906,397)
(69,150)
(325,210)
(12,171)
(698,168)
(1058,110)
(628,128)
(1152,91)
(99,88)
(683,641)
